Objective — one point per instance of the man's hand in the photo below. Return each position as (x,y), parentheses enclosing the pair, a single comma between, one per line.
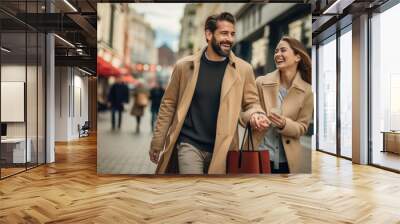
(154,155)
(259,121)
(277,120)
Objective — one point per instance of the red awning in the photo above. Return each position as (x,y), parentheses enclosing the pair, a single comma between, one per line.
(105,68)
(129,79)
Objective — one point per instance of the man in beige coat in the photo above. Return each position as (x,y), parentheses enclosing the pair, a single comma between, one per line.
(199,113)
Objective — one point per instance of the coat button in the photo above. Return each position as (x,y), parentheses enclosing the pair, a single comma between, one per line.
(287,141)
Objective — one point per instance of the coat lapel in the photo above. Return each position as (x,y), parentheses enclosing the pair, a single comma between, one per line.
(271,91)
(190,87)
(230,76)
(295,92)
(271,88)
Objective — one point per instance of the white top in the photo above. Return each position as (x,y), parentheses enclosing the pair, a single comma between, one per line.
(272,140)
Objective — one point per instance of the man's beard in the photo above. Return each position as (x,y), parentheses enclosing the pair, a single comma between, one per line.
(217,47)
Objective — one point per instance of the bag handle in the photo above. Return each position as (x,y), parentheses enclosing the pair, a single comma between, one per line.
(250,137)
(247,132)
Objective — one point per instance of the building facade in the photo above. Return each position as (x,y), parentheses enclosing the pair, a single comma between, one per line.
(112,33)
(126,46)
(142,49)
(259,27)
(188,30)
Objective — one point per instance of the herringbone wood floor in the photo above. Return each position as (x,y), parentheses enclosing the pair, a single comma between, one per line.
(70,191)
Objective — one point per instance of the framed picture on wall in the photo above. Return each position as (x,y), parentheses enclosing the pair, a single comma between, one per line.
(12,101)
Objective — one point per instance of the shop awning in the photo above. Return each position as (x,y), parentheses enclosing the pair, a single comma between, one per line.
(129,79)
(105,68)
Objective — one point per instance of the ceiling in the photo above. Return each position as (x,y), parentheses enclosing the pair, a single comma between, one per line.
(74,21)
(326,14)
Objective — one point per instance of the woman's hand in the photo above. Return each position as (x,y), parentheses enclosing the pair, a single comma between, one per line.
(259,121)
(277,120)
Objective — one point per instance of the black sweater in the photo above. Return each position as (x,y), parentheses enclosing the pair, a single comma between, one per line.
(200,124)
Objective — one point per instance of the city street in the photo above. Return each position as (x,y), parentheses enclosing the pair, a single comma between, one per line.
(123,151)
(149,58)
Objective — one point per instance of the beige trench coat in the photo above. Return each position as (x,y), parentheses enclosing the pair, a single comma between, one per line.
(238,92)
(297,107)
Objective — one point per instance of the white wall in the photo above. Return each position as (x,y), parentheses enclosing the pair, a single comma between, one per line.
(80,100)
(71,94)
(13,73)
(61,103)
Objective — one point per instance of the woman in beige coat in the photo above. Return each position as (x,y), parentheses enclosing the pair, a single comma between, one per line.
(141,100)
(286,96)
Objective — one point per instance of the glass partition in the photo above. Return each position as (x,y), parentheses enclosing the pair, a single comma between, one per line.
(14,152)
(41,96)
(385,89)
(327,95)
(346,93)
(22,89)
(32,98)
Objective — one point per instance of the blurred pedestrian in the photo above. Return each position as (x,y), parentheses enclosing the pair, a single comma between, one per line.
(118,95)
(199,112)
(286,95)
(141,100)
(156,94)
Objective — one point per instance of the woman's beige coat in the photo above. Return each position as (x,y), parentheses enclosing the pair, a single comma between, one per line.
(297,107)
(238,93)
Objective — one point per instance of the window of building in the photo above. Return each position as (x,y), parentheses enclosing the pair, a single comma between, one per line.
(327,95)
(346,92)
(385,89)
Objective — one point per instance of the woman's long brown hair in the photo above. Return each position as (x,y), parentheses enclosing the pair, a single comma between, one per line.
(304,65)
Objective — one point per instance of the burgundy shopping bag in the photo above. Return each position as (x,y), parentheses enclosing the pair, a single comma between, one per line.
(250,161)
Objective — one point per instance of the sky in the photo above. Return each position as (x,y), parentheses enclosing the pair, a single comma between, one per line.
(164,19)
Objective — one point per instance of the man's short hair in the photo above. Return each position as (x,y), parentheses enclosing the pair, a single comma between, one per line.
(211,22)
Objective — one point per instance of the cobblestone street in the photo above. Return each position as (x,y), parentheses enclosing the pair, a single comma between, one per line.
(125,152)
